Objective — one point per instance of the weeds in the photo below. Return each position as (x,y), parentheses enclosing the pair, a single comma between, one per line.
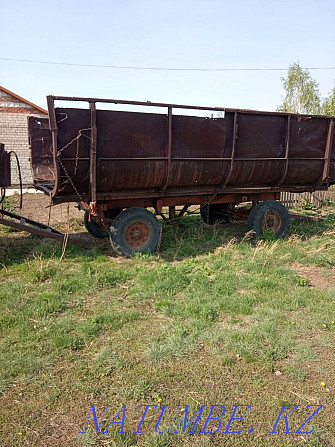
(209,320)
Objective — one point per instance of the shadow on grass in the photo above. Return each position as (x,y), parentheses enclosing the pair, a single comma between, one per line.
(17,247)
(189,237)
(311,228)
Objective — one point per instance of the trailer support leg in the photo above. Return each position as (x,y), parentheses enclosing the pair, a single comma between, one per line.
(172,212)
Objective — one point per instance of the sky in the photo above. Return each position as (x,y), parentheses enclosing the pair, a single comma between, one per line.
(173,34)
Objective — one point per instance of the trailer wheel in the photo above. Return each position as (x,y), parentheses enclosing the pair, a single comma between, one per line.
(269,215)
(93,227)
(212,214)
(135,230)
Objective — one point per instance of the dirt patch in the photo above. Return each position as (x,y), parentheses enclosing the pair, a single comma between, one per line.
(37,207)
(63,217)
(316,276)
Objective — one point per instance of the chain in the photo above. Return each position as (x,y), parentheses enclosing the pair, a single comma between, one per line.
(80,134)
(70,180)
(77,156)
(74,139)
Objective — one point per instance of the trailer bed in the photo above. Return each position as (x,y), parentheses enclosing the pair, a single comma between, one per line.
(94,154)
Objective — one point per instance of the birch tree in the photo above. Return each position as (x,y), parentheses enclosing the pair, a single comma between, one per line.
(301,92)
(328,104)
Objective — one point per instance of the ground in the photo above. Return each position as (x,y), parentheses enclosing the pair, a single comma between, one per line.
(316,276)
(215,318)
(37,207)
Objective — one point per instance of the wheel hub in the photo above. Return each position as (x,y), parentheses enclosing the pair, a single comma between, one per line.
(138,234)
(272,221)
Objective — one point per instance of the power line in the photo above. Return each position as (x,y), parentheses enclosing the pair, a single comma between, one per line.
(122,67)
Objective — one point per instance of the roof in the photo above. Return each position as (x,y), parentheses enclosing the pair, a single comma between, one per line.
(3,89)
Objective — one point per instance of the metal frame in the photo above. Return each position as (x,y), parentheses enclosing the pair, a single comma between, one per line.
(173,197)
(31,226)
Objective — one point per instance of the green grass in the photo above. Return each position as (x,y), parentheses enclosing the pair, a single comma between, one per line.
(214,318)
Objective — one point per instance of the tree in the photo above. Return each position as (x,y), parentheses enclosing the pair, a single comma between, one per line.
(328,104)
(302,92)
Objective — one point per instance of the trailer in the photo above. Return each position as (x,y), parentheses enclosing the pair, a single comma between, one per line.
(118,163)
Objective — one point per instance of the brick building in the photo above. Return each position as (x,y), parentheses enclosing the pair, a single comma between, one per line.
(14,112)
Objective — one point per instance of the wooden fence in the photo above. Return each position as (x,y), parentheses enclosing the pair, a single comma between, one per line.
(291,200)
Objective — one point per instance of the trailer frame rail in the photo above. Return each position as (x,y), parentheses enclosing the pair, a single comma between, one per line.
(31,226)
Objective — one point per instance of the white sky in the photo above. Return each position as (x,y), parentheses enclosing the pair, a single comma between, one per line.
(173,34)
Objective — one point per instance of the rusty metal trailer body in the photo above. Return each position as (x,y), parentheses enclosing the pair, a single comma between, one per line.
(114,159)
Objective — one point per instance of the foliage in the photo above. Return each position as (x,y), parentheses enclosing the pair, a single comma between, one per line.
(302,92)
(328,202)
(307,205)
(10,204)
(328,105)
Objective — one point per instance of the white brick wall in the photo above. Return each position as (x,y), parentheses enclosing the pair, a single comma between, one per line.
(14,135)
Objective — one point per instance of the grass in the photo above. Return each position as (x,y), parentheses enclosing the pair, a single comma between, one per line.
(215,318)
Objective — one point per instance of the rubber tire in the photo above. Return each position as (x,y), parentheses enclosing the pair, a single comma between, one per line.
(214,215)
(119,227)
(257,214)
(93,228)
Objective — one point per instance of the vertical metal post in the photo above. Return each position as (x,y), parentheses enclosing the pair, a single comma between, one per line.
(287,150)
(232,158)
(326,167)
(169,150)
(54,134)
(172,212)
(93,155)
(221,188)
(327,158)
